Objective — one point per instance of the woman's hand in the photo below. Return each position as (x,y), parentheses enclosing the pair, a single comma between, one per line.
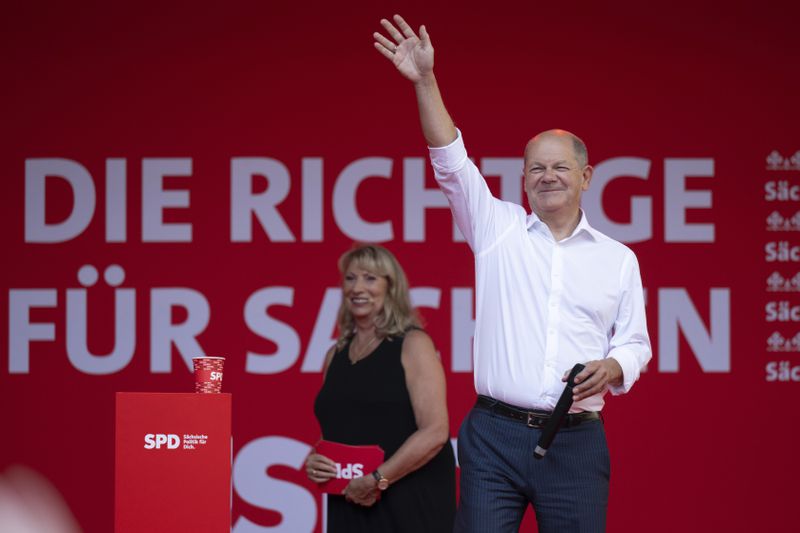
(319,468)
(362,491)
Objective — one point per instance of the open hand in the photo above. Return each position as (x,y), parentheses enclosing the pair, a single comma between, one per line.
(411,55)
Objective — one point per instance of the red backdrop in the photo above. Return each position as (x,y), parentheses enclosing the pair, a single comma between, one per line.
(690,114)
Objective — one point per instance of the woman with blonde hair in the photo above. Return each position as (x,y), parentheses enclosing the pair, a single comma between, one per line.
(384,384)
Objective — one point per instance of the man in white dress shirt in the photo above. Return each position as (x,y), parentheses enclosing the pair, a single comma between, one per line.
(551,291)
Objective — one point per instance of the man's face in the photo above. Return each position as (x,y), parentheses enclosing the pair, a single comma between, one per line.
(554,178)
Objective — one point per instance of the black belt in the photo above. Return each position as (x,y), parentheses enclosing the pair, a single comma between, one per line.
(534,418)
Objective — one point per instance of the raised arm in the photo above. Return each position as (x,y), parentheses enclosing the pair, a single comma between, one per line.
(479,215)
(412,56)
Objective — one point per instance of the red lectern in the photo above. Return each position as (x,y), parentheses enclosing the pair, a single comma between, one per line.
(173,463)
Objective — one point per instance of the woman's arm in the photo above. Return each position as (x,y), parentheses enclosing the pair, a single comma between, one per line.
(318,467)
(426,385)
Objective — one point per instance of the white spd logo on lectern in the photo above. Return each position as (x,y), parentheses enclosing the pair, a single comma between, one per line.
(158,440)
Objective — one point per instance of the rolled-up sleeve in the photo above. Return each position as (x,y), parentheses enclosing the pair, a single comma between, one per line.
(447,160)
(630,342)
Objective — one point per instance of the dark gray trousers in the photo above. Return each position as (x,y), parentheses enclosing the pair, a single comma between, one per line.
(568,488)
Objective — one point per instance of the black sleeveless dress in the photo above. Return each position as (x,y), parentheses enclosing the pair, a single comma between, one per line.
(368,403)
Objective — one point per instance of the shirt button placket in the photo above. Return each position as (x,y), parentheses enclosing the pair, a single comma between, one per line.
(553,313)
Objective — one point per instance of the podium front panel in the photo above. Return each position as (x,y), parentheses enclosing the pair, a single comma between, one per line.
(173,462)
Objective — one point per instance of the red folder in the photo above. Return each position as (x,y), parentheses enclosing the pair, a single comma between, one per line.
(351,462)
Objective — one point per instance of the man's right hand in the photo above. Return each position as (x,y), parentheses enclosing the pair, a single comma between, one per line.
(411,55)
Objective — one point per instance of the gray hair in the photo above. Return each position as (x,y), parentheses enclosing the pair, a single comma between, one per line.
(581,153)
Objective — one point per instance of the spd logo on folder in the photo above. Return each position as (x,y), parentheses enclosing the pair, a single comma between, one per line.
(351,462)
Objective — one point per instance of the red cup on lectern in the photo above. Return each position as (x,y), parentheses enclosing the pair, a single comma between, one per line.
(208,374)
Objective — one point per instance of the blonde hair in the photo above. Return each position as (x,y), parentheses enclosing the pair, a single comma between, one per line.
(397,315)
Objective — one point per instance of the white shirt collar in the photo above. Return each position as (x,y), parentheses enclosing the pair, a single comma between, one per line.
(583,227)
